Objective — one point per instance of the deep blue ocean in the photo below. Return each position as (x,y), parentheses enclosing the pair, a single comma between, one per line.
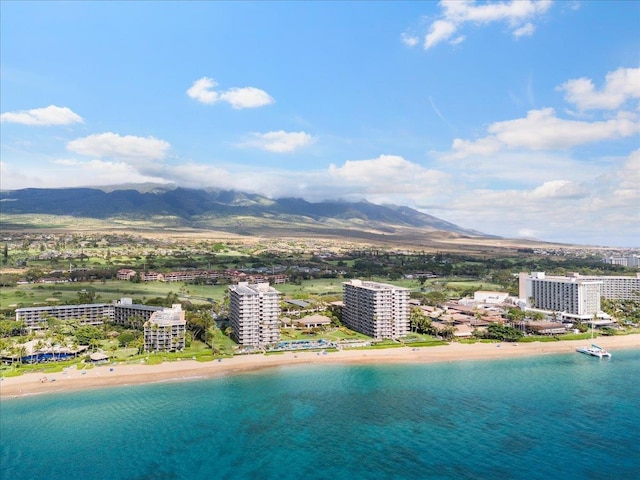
(550,417)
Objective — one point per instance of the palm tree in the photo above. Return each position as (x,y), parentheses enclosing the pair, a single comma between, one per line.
(94,344)
(449,330)
(21,352)
(112,348)
(515,315)
(416,318)
(5,344)
(40,345)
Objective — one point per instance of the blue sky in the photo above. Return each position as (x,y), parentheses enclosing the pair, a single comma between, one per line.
(518,119)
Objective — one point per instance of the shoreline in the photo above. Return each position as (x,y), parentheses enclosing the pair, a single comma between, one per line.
(123,374)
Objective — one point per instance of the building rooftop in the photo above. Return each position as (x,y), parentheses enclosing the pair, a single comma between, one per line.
(168,317)
(244,288)
(373,285)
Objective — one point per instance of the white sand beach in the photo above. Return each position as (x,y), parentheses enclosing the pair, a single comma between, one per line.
(130,374)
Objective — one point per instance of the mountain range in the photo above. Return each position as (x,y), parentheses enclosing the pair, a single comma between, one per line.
(225,210)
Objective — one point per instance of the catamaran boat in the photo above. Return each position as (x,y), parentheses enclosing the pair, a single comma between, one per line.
(595,351)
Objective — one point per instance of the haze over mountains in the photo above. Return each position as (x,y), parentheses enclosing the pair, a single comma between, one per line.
(226,210)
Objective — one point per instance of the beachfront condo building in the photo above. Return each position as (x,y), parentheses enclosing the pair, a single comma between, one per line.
(166,330)
(129,314)
(122,312)
(35,318)
(254,314)
(376,309)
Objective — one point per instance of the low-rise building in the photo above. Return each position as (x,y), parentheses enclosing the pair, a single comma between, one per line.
(483,296)
(545,328)
(35,318)
(125,274)
(313,321)
(151,276)
(123,312)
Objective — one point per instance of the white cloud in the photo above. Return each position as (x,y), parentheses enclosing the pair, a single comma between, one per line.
(551,207)
(247,97)
(72,173)
(8,176)
(522,169)
(67,162)
(542,129)
(513,12)
(51,115)
(238,98)
(620,86)
(386,179)
(201,90)
(112,145)
(439,31)
(278,142)
(524,31)
(556,209)
(409,40)
(558,189)
(387,173)
(464,148)
(528,233)
(458,13)
(629,175)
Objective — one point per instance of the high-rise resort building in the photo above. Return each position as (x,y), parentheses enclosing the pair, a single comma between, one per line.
(254,314)
(376,309)
(569,296)
(575,296)
(166,330)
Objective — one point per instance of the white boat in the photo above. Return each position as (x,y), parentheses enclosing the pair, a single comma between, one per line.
(595,351)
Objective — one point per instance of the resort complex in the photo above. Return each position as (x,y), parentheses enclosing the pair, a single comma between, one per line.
(575,296)
(379,310)
(257,314)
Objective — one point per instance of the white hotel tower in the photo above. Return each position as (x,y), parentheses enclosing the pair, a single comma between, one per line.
(254,314)
(376,309)
(572,297)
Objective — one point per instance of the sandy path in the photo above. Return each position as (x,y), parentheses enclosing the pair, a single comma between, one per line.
(129,374)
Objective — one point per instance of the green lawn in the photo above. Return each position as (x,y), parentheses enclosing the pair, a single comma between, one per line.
(60,293)
(460,283)
(38,295)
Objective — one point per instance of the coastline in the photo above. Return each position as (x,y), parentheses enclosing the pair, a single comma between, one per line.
(123,374)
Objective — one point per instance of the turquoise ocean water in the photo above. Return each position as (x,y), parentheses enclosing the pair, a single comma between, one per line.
(551,417)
